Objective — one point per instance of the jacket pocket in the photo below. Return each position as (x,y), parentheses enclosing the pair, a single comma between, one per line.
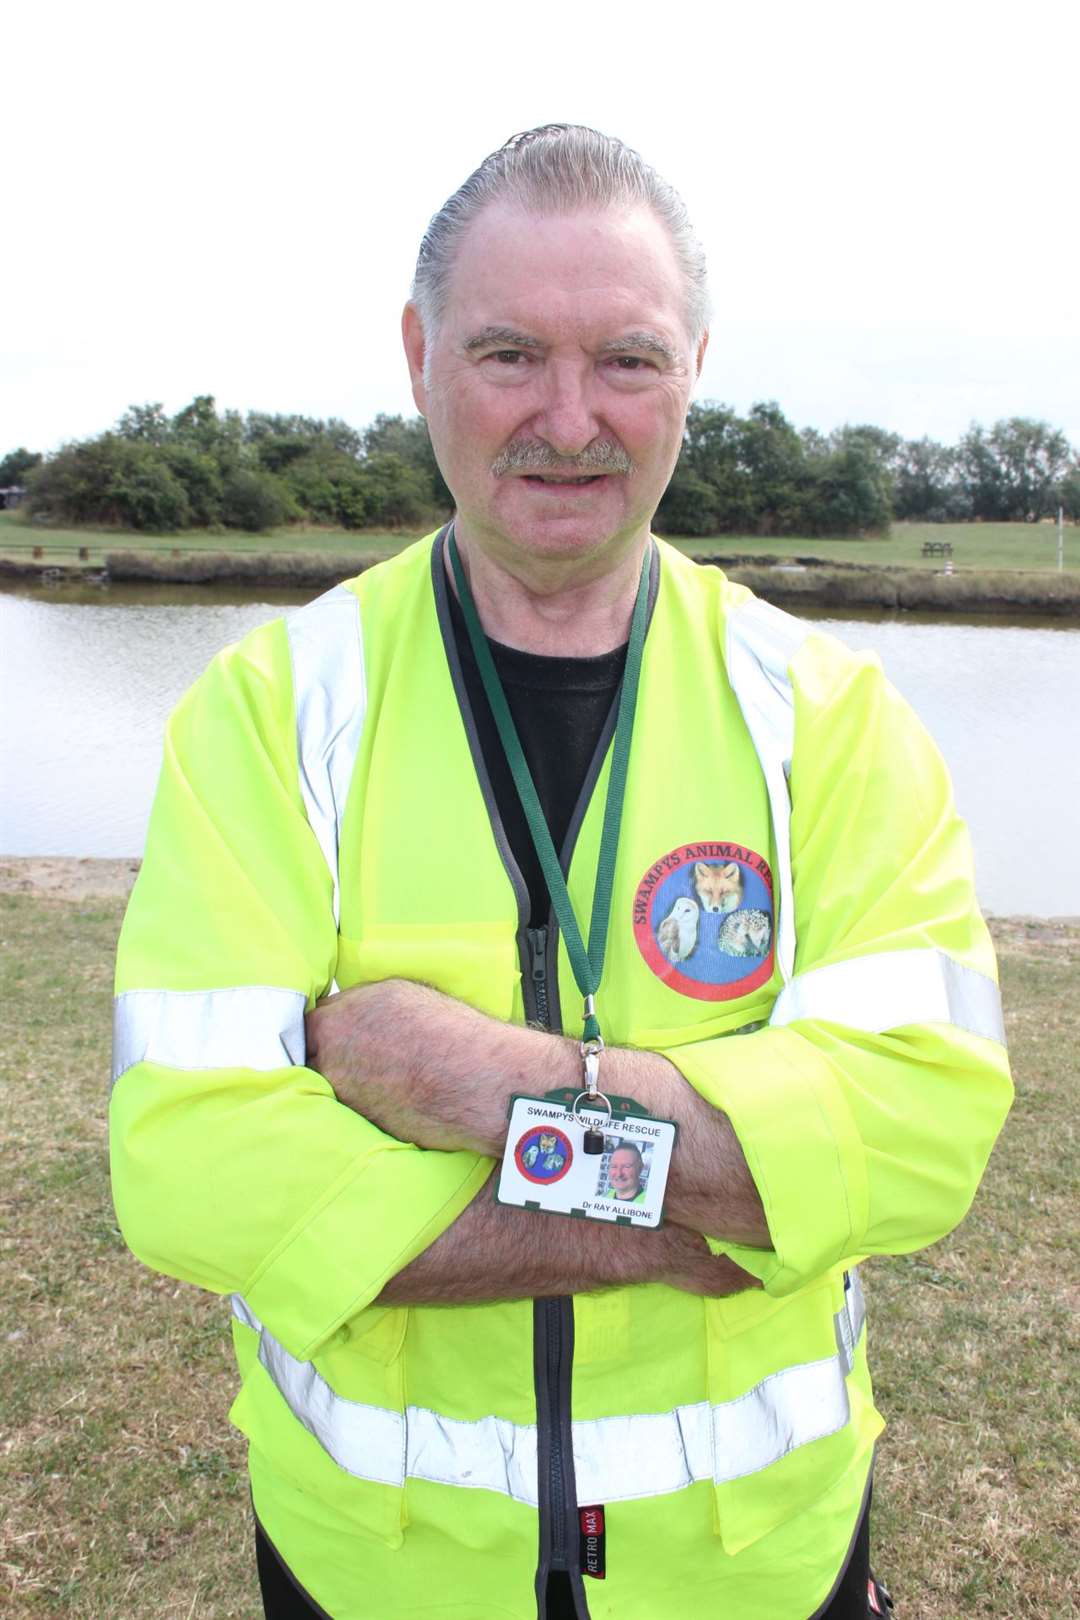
(790,1403)
(333,1428)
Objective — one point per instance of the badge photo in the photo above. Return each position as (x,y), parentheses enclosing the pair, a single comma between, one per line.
(546,1166)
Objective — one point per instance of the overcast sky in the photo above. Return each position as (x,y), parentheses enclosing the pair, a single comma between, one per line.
(228,198)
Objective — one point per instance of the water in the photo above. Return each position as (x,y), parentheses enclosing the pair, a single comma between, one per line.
(88,679)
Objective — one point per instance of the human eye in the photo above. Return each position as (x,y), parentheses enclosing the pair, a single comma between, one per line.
(507,366)
(631,367)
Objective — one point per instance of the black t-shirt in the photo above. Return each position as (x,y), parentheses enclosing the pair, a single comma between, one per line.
(561,708)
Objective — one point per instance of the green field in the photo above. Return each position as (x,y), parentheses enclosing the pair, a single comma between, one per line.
(124,1487)
(991,546)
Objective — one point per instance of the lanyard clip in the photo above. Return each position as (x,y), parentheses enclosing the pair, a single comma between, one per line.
(590,1054)
(592,1096)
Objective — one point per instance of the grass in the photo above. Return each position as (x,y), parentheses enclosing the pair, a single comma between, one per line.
(991,546)
(18,538)
(123,1486)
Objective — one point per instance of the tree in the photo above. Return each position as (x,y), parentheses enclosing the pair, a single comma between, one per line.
(1011,473)
(328,485)
(688,506)
(884,447)
(110,480)
(395,491)
(711,457)
(262,425)
(849,492)
(147,423)
(255,501)
(410,441)
(16,465)
(926,486)
(1069,492)
(771,457)
(200,426)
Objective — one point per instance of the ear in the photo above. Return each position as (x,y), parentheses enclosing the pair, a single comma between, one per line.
(412,335)
(700,358)
(731,870)
(700,869)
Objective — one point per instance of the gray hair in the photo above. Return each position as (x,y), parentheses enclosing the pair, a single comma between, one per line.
(558,169)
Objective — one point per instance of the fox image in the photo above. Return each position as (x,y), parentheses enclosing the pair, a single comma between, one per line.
(719,888)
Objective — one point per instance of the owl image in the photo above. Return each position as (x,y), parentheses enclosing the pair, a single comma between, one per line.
(678,933)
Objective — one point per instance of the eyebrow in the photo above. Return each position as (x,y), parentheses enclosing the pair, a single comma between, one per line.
(508,337)
(636,342)
(501,337)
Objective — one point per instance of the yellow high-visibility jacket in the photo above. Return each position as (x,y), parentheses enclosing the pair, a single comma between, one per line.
(824,978)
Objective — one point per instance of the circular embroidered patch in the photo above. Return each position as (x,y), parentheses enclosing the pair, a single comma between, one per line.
(544,1156)
(703,920)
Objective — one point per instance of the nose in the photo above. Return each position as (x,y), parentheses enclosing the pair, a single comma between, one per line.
(567,419)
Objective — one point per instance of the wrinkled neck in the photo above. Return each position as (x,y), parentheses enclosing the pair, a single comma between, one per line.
(554,606)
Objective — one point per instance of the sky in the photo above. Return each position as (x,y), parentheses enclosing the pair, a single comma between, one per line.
(227,198)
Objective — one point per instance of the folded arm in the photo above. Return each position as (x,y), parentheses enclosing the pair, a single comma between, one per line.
(434,1071)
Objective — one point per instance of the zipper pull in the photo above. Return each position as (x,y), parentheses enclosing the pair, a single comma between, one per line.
(538,954)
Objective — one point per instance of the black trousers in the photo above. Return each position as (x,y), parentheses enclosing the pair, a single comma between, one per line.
(283,1600)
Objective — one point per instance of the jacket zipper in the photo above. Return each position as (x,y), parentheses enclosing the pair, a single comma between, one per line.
(536,939)
(555,1321)
(552,1310)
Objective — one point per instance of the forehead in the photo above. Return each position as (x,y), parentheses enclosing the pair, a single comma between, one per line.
(632,1152)
(566,275)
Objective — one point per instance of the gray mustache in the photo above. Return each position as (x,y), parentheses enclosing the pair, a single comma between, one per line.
(533,456)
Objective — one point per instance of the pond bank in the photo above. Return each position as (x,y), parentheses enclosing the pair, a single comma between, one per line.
(81,877)
(788,583)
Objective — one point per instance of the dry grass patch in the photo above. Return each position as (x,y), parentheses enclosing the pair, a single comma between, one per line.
(123,1485)
(973,1341)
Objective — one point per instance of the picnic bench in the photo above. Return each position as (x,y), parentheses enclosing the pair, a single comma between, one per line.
(937,548)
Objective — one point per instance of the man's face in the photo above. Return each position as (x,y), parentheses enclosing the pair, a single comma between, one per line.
(563,354)
(624,1173)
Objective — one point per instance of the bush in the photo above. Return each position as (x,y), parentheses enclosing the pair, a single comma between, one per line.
(393,491)
(689,505)
(146,495)
(202,479)
(110,480)
(328,486)
(16,465)
(255,501)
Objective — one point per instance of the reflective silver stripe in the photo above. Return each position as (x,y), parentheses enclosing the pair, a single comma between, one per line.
(892,989)
(616,1459)
(761,643)
(326,648)
(849,1322)
(245,1027)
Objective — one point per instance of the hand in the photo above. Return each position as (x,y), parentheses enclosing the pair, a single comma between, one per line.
(696,1270)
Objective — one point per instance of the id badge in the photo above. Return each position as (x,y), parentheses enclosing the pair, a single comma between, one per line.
(598,1163)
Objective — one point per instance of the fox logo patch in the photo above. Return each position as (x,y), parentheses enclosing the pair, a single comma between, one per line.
(704,918)
(718,888)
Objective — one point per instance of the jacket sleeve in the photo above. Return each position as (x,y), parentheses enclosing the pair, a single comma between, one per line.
(868,1106)
(234,1167)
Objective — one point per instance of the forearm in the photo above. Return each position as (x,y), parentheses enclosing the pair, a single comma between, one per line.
(496,1252)
(434,1071)
(710,1188)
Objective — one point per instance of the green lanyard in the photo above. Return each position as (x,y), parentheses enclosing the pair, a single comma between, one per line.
(588,965)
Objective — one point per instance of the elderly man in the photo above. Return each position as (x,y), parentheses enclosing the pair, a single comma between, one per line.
(759,925)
